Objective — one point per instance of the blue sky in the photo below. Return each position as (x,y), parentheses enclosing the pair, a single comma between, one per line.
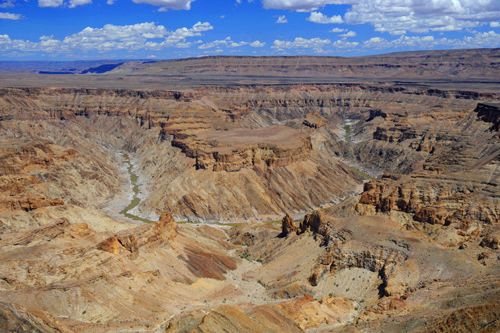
(166,29)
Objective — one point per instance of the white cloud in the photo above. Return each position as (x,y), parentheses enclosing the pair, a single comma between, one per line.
(183,33)
(318,17)
(299,42)
(215,43)
(299,5)
(476,40)
(7,4)
(257,44)
(110,2)
(235,44)
(74,3)
(227,42)
(399,16)
(5,40)
(109,37)
(495,24)
(141,36)
(485,39)
(343,44)
(337,30)
(50,3)
(10,16)
(376,43)
(282,19)
(407,41)
(172,4)
(349,34)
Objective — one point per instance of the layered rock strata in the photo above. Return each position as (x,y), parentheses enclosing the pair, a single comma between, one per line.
(457,180)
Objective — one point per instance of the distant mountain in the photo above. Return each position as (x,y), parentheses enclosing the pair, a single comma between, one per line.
(472,63)
(60,67)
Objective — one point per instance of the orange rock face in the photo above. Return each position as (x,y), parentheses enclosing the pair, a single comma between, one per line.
(111,245)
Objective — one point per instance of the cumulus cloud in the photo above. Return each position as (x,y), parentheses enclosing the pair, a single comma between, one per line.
(399,16)
(141,36)
(229,43)
(10,16)
(349,34)
(215,43)
(74,3)
(495,24)
(59,3)
(475,40)
(7,4)
(50,3)
(299,42)
(299,5)
(318,17)
(337,30)
(257,44)
(172,4)
(485,39)
(183,33)
(282,19)
(481,39)
(343,44)
(130,37)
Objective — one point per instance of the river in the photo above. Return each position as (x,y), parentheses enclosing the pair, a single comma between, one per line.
(135,201)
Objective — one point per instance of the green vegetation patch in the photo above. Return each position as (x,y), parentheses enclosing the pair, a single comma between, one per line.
(348,132)
(361,173)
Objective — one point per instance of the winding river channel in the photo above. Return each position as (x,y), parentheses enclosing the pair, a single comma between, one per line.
(135,189)
(348,130)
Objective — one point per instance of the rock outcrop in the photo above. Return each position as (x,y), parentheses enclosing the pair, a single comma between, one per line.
(490,113)
(490,241)
(287,225)
(162,232)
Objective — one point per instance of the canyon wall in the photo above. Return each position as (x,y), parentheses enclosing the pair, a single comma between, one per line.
(270,150)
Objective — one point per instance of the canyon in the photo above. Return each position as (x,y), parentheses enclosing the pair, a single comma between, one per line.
(271,194)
